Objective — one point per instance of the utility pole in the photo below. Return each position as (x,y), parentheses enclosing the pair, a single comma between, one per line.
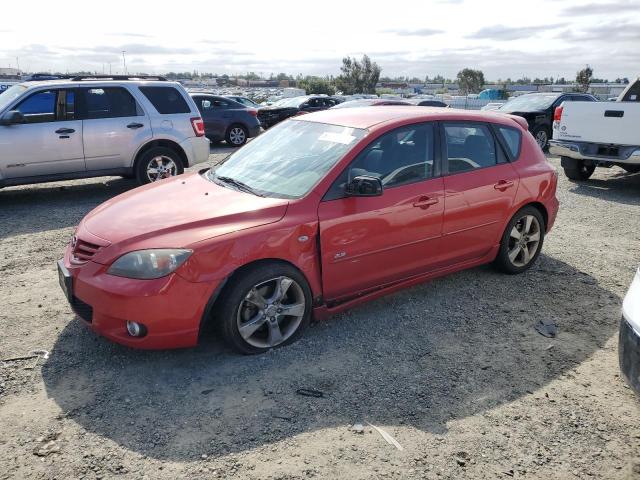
(124,63)
(18,64)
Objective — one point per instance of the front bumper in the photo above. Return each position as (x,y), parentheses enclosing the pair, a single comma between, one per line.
(629,354)
(171,308)
(588,151)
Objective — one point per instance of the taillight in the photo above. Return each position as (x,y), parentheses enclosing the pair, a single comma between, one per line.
(557,114)
(198,126)
(253,112)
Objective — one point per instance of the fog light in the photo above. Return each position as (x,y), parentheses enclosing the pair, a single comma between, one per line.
(136,329)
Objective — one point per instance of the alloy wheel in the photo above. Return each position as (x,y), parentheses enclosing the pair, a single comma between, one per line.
(237,136)
(542,138)
(271,312)
(161,167)
(524,240)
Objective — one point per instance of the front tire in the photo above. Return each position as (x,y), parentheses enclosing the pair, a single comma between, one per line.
(158,163)
(267,306)
(521,241)
(236,135)
(577,169)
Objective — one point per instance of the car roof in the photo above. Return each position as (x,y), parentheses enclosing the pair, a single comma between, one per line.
(369,117)
(92,83)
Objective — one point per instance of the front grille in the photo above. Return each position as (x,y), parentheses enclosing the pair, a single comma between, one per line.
(84,251)
(83,310)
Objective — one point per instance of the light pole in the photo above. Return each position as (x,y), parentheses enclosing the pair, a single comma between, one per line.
(124,63)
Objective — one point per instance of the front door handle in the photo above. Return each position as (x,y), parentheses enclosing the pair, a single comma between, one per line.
(65,131)
(133,126)
(425,202)
(502,185)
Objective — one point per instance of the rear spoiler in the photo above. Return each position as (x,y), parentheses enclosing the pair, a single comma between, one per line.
(519,120)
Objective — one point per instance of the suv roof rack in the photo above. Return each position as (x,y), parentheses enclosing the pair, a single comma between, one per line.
(83,78)
(37,77)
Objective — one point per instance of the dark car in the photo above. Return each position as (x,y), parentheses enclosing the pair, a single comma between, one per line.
(432,103)
(227,120)
(247,102)
(370,102)
(290,107)
(537,109)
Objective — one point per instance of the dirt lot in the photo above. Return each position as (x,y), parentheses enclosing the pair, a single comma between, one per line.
(453,369)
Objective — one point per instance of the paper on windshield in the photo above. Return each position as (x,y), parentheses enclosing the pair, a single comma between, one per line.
(334,137)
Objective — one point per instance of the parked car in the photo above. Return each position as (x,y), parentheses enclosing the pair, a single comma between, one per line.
(145,128)
(290,107)
(629,338)
(590,135)
(247,102)
(538,109)
(432,103)
(316,215)
(227,120)
(374,102)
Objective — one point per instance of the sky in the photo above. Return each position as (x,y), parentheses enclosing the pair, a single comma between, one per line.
(504,39)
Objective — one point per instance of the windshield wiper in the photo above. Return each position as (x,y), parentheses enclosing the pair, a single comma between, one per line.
(238,184)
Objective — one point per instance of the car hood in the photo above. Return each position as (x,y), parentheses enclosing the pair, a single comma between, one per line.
(178,212)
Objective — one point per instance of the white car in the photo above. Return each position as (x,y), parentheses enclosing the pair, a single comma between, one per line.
(62,129)
(629,340)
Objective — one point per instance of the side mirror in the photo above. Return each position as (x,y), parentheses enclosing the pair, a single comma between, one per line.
(364,186)
(12,117)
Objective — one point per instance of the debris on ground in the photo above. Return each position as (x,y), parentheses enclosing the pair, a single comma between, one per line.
(309,392)
(387,436)
(357,428)
(547,328)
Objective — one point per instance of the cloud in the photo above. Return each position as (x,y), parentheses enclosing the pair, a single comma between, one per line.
(502,32)
(418,32)
(623,31)
(129,34)
(610,8)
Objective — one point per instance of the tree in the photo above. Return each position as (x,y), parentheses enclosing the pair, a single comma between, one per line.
(358,76)
(583,78)
(317,86)
(470,81)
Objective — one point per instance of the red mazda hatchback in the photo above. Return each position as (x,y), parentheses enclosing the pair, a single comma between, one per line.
(318,214)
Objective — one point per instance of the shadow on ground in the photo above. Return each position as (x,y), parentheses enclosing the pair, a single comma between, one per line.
(620,187)
(448,349)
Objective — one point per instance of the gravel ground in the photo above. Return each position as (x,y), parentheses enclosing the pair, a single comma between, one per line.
(452,369)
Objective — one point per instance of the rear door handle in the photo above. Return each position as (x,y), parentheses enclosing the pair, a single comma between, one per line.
(135,125)
(425,202)
(502,185)
(65,131)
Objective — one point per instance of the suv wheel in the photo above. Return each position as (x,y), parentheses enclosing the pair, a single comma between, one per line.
(158,163)
(236,135)
(577,169)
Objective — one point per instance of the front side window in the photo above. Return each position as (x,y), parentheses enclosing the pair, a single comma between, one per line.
(399,157)
(469,146)
(166,100)
(109,102)
(287,160)
(39,107)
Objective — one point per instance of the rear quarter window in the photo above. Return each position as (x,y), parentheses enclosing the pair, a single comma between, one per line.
(166,100)
(512,139)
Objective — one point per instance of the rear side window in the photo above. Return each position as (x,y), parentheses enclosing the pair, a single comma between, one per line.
(512,139)
(166,100)
(108,102)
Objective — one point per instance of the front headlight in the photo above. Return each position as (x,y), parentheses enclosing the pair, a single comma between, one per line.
(631,303)
(149,264)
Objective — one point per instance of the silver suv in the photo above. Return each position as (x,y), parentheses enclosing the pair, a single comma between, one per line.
(147,128)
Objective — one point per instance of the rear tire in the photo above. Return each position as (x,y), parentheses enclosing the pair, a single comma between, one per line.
(236,135)
(577,169)
(631,168)
(252,313)
(541,134)
(521,241)
(158,163)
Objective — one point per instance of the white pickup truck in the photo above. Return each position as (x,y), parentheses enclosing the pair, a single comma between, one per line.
(587,135)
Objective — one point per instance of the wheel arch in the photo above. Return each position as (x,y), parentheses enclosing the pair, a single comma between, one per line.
(161,142)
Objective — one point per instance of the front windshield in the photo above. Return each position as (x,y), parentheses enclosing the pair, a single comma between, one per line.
(10,94)
(354,103)
(290,102)
(529,103)
(289,159)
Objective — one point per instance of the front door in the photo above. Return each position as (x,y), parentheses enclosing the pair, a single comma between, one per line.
(50,141)
(480,186)
(371,241)
(114,127)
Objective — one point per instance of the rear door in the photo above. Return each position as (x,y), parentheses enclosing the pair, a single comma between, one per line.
(480,188)
(114,127)
(369,241)
(215,114)
(50,141)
